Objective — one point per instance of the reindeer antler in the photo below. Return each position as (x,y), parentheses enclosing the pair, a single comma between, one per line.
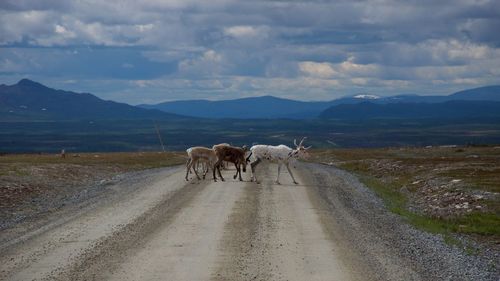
(300,144)
(295,142)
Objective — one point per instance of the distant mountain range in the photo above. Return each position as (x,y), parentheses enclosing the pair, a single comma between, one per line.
(31,101)
(472,103)
(269,107)
(454,109)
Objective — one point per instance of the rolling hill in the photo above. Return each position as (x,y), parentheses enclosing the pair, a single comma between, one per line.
(31,101)
(455,109)
(491,93)
(487,93)
(264,107)
(269,107)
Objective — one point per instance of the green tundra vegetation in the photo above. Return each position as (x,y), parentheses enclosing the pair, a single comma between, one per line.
(450,189)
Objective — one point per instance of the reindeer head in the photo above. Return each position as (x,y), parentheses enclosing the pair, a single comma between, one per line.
(244,160)
(300,150)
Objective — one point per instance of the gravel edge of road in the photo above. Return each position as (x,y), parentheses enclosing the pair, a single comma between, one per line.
(425,253)
(61,211)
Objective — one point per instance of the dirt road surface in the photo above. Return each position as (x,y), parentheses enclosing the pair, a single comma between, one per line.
(160,227)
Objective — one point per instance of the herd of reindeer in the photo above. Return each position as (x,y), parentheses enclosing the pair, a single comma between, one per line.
(205,158)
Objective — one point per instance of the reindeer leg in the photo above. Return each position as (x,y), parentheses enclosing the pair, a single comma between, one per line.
(290,171)
(208,165)
(205,169)
(196,172)
(218,170)
(279,170)
(235,175)
(188,168)
(202,166)
(214,168)
(194,166)
(220,175)
(252,168)
(239,172)
(187,164)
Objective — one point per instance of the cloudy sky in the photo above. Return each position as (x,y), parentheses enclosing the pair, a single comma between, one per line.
(153,51)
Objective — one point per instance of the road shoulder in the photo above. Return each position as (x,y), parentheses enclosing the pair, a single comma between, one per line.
(389,248)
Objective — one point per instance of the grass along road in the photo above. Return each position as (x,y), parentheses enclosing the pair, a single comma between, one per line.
(452,191)
(457,188)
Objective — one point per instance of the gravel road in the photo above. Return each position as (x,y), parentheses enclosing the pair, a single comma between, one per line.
(159,227)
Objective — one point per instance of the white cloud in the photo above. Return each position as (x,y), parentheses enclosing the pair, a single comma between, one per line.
(350,68)
(211,56)
(345,69)
(16,26)
(243,31)
(209,63)
(317,69)
(360,81)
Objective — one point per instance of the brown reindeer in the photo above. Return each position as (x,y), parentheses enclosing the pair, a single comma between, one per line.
(224,164)
(235,155)
(197,154)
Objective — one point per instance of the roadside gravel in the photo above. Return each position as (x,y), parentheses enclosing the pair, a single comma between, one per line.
(382,238)
(50,209)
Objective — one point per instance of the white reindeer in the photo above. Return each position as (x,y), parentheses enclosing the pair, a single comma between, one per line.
(281,154)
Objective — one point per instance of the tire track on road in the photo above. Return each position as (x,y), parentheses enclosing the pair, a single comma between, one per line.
(107,253)
(240,237)
(186,248)
(276,234)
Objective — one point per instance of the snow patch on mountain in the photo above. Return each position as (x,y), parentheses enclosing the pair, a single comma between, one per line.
(366,96)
